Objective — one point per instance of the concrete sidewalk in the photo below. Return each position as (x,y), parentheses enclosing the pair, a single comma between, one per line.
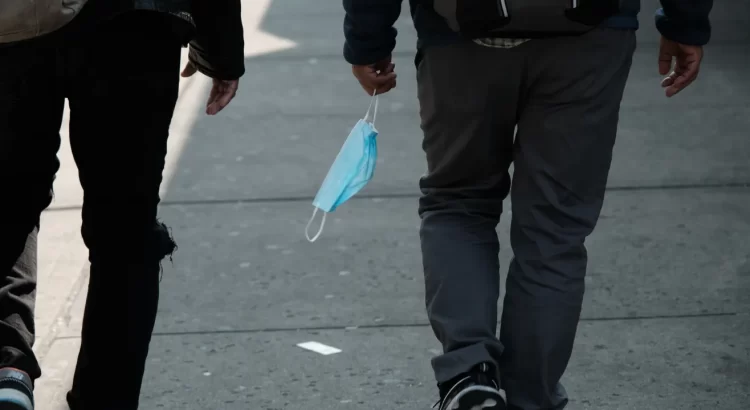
(667,313)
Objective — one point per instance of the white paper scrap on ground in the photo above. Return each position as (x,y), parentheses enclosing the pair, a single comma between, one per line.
(319,348)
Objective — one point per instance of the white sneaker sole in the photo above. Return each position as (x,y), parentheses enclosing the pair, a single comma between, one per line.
(478,398)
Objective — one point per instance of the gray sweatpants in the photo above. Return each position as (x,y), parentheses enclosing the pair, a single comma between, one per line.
(563,95)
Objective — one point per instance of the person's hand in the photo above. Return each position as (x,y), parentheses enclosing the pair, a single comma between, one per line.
(687,64)
(379,77)
(222,92)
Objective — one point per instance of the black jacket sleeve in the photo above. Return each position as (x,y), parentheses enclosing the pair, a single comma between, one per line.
(368,29)
(218,49)
(685,21)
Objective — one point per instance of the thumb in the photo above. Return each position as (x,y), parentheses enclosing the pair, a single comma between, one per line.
(189,69)
(665,63)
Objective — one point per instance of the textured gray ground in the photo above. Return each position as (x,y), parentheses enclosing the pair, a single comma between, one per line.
(667,314)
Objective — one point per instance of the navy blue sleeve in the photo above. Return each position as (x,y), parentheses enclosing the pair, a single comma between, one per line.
(368,29)
(685,21)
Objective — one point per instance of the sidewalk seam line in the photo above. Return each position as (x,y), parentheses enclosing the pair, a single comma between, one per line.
(404,195)
(62,318)
(414,325)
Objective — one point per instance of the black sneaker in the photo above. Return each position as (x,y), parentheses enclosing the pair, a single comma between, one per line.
(476,390)
(16,390)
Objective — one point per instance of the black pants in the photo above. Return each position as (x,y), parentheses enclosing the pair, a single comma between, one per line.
(563,97)
(121,80)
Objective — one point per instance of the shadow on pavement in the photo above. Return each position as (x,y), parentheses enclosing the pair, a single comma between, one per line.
(665,320)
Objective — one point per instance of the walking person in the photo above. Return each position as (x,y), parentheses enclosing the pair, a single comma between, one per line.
(118,64)
(537,84)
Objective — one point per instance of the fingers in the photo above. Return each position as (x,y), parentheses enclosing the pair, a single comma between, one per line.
(685,72)
(384,65)
(390,84)
(670,83)
(213,94)
(379,86)
(372,79)
(390,68)
(222,93)
(687,60)
(189,70)
(380,90)
(669,80)
(679,80)
(226,97)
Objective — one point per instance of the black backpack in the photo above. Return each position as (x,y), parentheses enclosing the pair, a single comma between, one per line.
(523,18)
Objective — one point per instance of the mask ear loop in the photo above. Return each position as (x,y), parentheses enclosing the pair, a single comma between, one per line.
(374,100)
(309,224)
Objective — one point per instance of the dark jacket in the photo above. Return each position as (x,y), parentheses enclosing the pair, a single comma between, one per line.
(218,47)
(214,31)
(371,37)
(213,28)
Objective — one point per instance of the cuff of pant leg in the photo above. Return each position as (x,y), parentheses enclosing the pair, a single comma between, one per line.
(454,363)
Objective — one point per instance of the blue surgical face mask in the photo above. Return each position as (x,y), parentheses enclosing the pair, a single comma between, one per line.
(351,171)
